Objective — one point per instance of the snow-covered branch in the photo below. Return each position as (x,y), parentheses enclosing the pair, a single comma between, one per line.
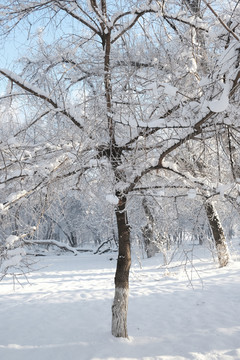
(51,242)
(73,14)
(33,90)
(221,21)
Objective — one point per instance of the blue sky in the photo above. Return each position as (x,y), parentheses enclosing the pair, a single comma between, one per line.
(11,50)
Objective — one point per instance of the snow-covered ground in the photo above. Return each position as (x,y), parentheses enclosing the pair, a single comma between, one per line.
(64,313)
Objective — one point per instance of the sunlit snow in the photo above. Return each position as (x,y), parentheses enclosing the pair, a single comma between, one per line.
(188,312)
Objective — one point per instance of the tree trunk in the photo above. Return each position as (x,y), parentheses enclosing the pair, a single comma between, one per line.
(147,231)
(218,234)
(120,302)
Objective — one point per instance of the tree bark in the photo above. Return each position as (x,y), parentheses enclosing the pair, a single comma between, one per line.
(218,234)
(147,231)
(120,302)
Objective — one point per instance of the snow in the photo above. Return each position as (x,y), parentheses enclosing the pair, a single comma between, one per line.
(14,259)
(11,240)
(170,90)
(221,104)
(65,311)
(224,188)
(112,199)
(12,141)
(156,123)
(192,193)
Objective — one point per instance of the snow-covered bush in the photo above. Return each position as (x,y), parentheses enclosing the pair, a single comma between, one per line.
(12,257)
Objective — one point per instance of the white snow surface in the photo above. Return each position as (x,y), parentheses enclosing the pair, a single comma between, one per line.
(192,193)
(170,90)
(112,199)
(64,312)
(222,104)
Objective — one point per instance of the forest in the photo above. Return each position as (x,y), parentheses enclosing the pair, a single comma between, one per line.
(120,135)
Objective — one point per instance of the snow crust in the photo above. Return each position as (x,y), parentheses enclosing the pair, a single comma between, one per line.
(65,311)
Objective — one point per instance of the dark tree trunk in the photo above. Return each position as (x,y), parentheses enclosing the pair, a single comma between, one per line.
(218,234)
(120,302)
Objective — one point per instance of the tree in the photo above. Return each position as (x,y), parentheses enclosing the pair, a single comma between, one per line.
(127,107)
(198,168)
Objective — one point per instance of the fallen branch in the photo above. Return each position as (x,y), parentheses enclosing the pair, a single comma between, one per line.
(52,242)
(84,250)
(104,251)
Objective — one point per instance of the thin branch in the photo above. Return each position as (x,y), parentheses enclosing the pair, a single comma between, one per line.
(84,22)
(196,130)
(39,94)
(220,20)
(33,122)
(129,26)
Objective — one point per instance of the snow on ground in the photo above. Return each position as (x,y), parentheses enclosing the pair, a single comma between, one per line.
(64,313)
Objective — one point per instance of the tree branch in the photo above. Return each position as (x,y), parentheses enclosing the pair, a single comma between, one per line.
(51,242)
(220,20)
(39,94)
(84,22)
(196,130)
